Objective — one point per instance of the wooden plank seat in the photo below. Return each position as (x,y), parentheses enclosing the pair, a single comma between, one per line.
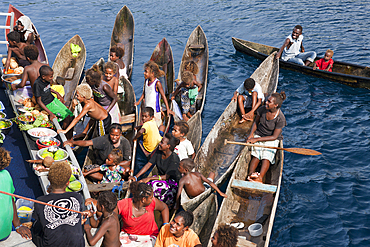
(244,242)
(253,186)
(196,46)
(105,186)
(130,118)
(69,73)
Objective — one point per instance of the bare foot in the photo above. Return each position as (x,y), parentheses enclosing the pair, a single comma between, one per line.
(255,177)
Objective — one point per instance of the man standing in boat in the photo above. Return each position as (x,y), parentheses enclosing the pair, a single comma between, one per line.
(249,95)
(293,50)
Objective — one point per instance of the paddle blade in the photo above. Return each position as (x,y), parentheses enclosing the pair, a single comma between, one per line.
(303,151)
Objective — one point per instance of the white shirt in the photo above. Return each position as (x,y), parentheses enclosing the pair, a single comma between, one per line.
(184,149)
(294,49)
(257,88)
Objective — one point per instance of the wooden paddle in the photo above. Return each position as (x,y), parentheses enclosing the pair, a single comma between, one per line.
(303,151)
(40,202)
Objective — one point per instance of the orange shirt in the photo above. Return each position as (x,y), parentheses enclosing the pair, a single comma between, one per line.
(167,239)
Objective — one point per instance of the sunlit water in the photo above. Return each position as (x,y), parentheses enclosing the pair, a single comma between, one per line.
(324,199)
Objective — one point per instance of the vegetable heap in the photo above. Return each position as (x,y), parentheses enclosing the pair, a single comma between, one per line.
(49,143)
(39,122)
(4,124)
(58,155)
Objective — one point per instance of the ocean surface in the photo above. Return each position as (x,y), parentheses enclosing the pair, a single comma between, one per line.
(324,199)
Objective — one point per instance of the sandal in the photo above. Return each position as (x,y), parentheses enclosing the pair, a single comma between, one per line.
(237,225)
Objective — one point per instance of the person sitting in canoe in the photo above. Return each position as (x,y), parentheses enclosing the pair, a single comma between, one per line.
(148,134)
(325,63)
(225,236)
(111,171)
(115,55)
(167,162)
(185,148)
(24,28)
(194,183)
(103,93)
(110,70)
(293,50)
(153,91)
(31,72)
(266,130)
(178,233)
(103,145)
(249,95)
(53,106)
(16,47)
(95,111)
(108,223)
(189,91)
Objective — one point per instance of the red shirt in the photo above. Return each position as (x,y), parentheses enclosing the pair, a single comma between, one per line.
(322,65)
(143,225)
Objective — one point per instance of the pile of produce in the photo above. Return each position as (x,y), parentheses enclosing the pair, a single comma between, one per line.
(26,118)
(5,124)
(1,138)
(49,143)
(58,155)
(74,184)
(14,68)
(39,122)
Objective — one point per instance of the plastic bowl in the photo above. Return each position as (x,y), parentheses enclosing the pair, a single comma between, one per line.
(30,121)
(5,130)
(40,141)
(39,153)
(255,229)
(2,115)
(39,132)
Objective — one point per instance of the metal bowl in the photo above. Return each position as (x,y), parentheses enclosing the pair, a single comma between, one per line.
(4,130)
(2,115)
(39,132)
(40,141)
(66,155)
(24,121)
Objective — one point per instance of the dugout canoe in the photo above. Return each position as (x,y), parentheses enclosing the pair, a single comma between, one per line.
(346,73)
(251,202)
(70,67)
(128,121)
(214,155)
(123,36)
(43,58)
(196,49)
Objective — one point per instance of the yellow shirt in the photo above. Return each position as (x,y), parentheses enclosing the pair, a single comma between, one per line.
(59,89)
(151,136)
(167,239)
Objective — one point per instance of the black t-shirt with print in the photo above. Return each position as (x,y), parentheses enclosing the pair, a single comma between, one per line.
(42,89)
(103,146)
(60,227)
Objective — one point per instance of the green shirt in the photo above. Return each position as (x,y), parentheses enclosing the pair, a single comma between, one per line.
(6,205)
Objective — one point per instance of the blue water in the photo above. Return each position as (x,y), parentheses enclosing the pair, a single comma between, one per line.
(324,199)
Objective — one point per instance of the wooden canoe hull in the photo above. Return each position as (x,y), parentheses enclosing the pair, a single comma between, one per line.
(196,49)
(247,206)
(213,155)
(43,58)
(346,73)
(64,60)
(123,36)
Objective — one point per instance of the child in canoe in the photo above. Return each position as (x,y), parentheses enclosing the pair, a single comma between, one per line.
(16,47)
(95,111)
(325,63)
(110,70)
(185,148)
(112,171)
(153,91)
(194,182)
(266,130)
(108,224)
(189,91)
(115,55)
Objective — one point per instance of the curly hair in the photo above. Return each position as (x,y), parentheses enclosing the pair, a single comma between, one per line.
(188,164)
(14,36)
(84,90)
(279,98)
(192,67)
(115,126)
(140,191)
(227,236)
(4,158)
(59,174)
(187,77)
(94,75)
(187,216)
(108,199)
(110,65)
(31,52)
(154,68)
(172,141)
(120,52)
(183,127)
(117,155)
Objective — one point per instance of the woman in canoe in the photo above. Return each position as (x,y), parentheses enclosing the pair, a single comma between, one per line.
(24,28)
(103,93)
(166,182)
(266,130)
(138,215)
